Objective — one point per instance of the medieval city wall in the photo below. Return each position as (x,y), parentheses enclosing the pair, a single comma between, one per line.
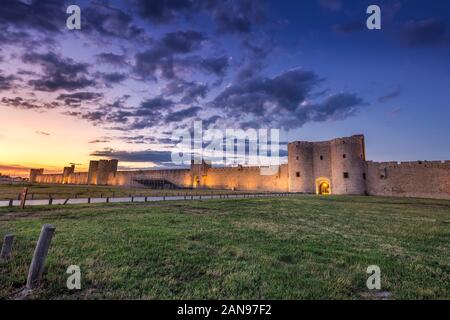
(337,166)
(179,177)
(72,178)
(246,178)
(48,178)
(425,179)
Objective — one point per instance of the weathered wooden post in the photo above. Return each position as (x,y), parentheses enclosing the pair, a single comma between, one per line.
(40,254)
(7,247)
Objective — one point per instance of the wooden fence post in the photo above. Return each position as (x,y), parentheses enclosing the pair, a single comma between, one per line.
(7,247)
(40,254)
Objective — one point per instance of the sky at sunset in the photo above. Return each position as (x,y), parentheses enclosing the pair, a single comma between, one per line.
(138,70)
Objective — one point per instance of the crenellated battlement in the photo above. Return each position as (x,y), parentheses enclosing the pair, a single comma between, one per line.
(411,164)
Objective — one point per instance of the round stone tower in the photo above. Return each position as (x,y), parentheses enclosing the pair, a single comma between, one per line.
(348,165)
(300,167)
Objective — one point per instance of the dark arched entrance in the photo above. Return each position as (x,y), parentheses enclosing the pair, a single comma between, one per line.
(323,186)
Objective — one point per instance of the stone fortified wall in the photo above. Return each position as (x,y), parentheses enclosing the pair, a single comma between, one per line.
(424,179)
(340,164)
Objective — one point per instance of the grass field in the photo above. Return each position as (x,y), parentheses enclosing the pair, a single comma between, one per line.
(301,247)
(42,191)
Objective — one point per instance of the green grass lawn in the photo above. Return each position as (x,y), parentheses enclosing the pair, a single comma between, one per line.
(301,247)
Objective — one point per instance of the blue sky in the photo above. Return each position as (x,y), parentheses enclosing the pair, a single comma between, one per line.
(137,70)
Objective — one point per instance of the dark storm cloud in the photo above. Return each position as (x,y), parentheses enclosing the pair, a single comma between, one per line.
(230,16)
(157,157)
(153,107)
(428,32)
(162,11)
(42,15)
(6,82)
(28,104)
(76,99)
(283,101)
(110,22)
(59,72)
(164,57)
(335,107)
(102,116)
(8,37)
(255,59)
(189,91)
(114,77)
(217,66)
(182,41)
(209,122)
(181,115)
(100,140)
(238,16)
(285,91)
(139,139)
(389,96)
(108,113)
(117,60)
(42,133)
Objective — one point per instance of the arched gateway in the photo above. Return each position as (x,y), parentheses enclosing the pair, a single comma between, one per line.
(323,186)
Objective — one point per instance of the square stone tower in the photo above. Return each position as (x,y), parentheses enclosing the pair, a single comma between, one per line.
(328,167)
